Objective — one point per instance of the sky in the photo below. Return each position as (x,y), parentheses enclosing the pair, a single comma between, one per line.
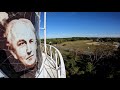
(81,24)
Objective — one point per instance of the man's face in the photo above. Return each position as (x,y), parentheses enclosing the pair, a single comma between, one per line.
(24,44)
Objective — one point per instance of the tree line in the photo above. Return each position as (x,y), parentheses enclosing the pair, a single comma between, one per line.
(61,40)
(102,63)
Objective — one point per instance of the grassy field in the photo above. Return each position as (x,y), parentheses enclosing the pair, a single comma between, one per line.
(81,45)
(88,58)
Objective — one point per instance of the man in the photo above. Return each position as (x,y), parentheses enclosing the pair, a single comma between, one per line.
(22,44)
(21,41)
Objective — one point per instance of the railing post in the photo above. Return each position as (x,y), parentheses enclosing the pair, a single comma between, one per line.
(56,63)
(45,31)
(50,52)
(59,64)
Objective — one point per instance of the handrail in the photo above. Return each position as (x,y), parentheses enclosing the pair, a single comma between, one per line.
(57,58)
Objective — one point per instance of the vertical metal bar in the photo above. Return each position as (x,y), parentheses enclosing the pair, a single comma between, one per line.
(38,24)
(45,31)
(50,52)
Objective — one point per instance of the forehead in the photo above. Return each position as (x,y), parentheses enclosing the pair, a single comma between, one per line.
(22,31)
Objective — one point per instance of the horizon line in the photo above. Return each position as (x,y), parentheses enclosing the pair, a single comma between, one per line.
(82,37)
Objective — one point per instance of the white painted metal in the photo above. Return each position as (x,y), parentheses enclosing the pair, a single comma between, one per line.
(51,54)
(55,56)
(3,75)
(45,31)
(44,28)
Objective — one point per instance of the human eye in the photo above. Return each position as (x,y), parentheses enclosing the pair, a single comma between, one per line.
(21,43)
(31,40)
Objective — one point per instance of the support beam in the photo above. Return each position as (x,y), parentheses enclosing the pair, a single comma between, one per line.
(45,31)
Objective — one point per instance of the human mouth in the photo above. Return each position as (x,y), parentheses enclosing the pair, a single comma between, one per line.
(30,57)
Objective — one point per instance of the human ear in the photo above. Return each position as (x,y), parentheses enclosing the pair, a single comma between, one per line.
(11,50)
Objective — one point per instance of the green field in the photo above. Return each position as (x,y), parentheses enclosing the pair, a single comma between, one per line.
(82,46)
(88,58)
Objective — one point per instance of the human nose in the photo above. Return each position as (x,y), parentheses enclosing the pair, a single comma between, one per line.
(28,49)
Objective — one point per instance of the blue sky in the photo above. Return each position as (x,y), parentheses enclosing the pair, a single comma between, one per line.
(82,24)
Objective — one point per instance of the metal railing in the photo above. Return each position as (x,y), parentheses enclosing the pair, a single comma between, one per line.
(54,54)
